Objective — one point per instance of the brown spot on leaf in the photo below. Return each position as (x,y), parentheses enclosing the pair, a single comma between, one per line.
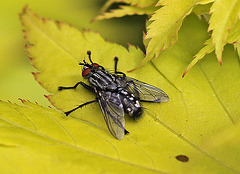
(182,158)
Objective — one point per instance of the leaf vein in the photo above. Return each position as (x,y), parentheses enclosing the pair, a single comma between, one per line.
(217,96)
(51,39)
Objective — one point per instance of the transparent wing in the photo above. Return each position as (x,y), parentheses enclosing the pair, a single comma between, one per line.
(113,112)
(145,91)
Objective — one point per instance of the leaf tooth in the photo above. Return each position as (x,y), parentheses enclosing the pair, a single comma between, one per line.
(22,100)
(26,49)
(48,96)
(25,34)
(49,99)
(50,107)
(22,13)
(35,75)
(32,61)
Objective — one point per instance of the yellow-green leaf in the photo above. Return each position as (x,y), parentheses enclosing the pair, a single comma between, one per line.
(234,34)
(139,3)
(163,30)
(208,48)
(34,139)
(202,9)
(224,16)
(201,105)
(224,146)
(62,48)
(237,47)
(126,10)
(205,1)
(233,37)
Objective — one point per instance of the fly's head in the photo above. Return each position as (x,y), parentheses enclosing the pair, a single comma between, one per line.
(89,69)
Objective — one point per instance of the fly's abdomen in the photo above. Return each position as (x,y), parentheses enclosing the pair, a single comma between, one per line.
(131,104)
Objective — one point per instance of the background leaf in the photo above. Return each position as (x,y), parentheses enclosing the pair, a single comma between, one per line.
(165,22)
(200,106)
(139,3)
(16,79)
(164,25)
(228,12)
(126,10)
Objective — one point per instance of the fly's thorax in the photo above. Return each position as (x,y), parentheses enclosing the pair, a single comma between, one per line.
(103,80)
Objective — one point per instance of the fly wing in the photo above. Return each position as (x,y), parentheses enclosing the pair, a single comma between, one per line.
(146,92)
(113,112)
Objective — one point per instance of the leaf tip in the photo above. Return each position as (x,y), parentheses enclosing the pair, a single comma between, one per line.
(185,72)
(131,70)
(25,8)
(220,61)
(146,37)
(137,67)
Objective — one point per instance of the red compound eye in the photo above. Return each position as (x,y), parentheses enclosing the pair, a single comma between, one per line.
(95,65)
(86,72)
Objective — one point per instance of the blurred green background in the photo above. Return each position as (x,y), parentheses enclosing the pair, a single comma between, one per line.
(16,80)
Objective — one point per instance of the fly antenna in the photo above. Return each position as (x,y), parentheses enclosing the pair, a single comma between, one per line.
(89,56)
(84,62)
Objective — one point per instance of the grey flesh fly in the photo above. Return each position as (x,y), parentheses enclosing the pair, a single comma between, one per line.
(116,94)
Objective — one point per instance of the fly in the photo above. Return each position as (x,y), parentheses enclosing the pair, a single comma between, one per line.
(116,94)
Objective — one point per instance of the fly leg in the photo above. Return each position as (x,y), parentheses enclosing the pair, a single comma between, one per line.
(80,106)
(115,68)
(126,132)
(60,88)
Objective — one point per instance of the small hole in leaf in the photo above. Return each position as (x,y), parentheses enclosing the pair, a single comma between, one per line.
(182,158)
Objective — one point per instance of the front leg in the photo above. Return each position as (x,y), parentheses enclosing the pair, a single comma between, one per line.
(115,68)
(60,88)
